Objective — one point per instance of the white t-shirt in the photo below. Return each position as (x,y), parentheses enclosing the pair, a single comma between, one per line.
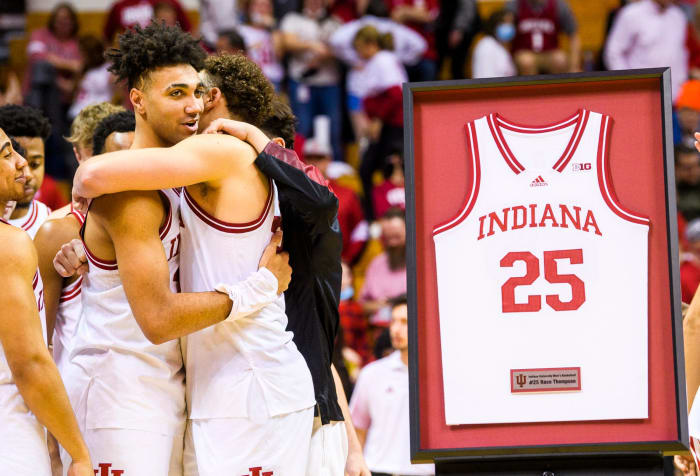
(379,405)
(491,59)
(309,29)
(96,86)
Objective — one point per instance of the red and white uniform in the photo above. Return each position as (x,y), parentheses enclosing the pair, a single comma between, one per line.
(536,30)
(547,263)
(248,387)
(35,217)
(261,49)
(132,410)
(22,437)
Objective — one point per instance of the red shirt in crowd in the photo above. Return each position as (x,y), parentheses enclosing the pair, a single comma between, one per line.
(536,30)
(425,30)
(355,328)
(352,222)
(50,195)
(386,196)
(127,13)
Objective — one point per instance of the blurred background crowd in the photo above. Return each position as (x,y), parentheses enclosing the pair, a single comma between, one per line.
(340,64)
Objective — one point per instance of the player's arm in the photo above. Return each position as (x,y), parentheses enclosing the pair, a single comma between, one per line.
(691,340)
(355,464)
(48,241)
(132,224)
(32,367)
(197,159)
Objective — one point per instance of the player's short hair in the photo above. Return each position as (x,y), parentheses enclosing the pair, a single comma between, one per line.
(247,91)
(397,301)
(281,123)
(123,121)
(84,124)
(394,212)
(143,50)
(24,121)
(18,148)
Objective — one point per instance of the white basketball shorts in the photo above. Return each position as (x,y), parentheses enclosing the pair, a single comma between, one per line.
(328,451)
(23,450)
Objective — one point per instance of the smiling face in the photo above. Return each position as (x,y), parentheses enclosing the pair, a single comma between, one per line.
(34,147)
(14,171)
(170,102)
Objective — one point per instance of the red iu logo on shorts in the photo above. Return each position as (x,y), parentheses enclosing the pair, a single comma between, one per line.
(257,471)
(104,470)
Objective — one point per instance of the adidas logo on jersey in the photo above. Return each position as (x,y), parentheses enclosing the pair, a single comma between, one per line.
(538,182)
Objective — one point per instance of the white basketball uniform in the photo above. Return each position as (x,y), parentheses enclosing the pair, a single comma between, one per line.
(543,268)
(67,316)
(132,410)
(248,387)
(35,217)
(23,449)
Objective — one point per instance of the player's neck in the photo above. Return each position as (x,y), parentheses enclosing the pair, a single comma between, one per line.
(145,137)
(20,211)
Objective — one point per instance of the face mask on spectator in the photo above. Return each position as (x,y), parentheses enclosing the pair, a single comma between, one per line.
(505,32)
(347,293)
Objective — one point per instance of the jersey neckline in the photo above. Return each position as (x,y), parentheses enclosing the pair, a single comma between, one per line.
(496,123)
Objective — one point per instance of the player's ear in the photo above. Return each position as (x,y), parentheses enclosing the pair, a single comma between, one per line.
(137,100)
(211,98)
(279,141)
(77,154)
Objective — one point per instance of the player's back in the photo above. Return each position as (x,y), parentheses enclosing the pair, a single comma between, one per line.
(134,383)
(223,361)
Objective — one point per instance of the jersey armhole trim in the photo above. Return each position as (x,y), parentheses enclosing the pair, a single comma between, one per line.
(605,177)
(473,152)
(33,215)
(71,291)
(108,265)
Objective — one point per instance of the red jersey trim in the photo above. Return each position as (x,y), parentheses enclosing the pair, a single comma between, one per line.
(108,265)
(35,281)
(78,216)
(605,178)
(71,291)
(31,219)
(578,120)
(225,226)
(2,220)
(694,451)
(473,152)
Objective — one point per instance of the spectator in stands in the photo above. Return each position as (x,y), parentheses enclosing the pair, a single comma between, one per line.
(419,15)
(650,33)
(127,13)
(536,43)
(114,132)
(687,162)
(457,24)
(54,65)
(379,405)
(383,75)
(687,113)
(10,90)
(354,324)
(97,83)
(343,10)
(386,275)
(216,17)
(391,192)
(690,261)
(350,216)
(83,128)
(229,41)
(264,44)
(491,57)
(314,73)
(164,12)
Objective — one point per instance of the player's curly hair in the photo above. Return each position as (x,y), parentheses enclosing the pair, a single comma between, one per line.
(248,92)
(123,121)
(84,124)
(18,148)
(24,121)
(281,122)
(142,50)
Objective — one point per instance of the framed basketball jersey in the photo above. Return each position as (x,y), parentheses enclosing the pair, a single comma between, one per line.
(543,265)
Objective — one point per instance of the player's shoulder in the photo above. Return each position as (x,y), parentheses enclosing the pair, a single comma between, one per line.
(16,248)
(60,213)
(57,230)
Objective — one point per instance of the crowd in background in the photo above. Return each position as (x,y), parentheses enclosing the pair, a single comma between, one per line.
(340,65)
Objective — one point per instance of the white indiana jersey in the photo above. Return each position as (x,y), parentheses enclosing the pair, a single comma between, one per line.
(67,315)
(35,217)
(133,383)
(22,437)
(225,361)
(542,269)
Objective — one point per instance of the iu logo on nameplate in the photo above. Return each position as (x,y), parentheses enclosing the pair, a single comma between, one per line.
(544,256)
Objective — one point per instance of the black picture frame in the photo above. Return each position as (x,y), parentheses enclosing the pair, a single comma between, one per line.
(420,454)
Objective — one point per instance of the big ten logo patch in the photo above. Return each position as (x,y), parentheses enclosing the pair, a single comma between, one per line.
(581,166)
(258,471)
(105,469)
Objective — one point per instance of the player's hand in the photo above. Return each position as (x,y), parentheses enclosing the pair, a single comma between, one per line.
(80,203)
(355,464)
(71,259)
(685,465)
(240,130)
(8,209)
(81,468)
(277,262)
